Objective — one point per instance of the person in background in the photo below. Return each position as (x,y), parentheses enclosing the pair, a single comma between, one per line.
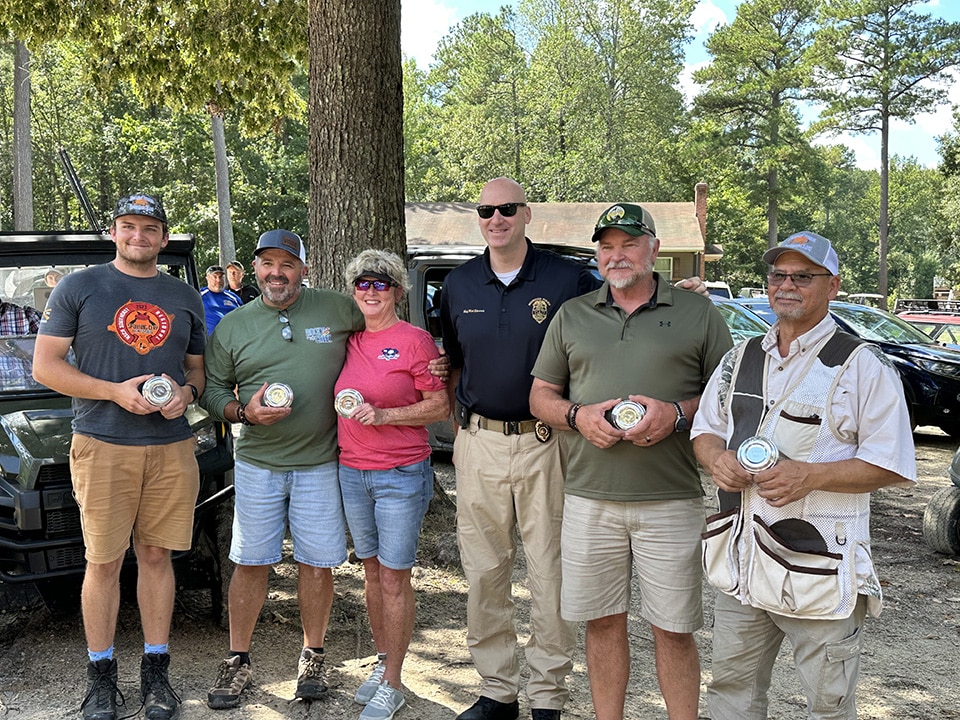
(132,462)
(52,277)
(798,530)
(235,274)
(17,320)
(385,475)
(217,299)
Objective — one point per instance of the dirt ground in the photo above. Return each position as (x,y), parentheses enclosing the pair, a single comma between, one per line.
(908,669)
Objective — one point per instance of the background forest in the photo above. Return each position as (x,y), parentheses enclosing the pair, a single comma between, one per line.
(580,100)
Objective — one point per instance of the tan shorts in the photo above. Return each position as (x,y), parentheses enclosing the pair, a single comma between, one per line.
(603,540)
(150,490)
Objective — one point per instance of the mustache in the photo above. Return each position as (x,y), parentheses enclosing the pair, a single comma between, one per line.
(617,265)
(277,278)
(787,296)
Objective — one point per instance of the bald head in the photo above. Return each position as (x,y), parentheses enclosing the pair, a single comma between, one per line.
(502,187)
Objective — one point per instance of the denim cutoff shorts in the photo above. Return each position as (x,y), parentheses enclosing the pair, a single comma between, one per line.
(266,500)
(385,509)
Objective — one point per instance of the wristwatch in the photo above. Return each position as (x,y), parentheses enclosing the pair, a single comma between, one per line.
(682,424)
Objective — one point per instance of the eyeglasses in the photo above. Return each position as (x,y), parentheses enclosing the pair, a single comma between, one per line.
(378,285)
(286,332)
(799,279)
(507,210)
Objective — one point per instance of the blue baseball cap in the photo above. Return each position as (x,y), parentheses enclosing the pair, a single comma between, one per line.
(816,247)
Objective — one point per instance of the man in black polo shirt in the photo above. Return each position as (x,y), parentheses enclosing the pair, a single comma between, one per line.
(495,311)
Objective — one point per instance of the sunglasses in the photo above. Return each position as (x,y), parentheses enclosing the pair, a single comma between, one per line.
(286,332)
(378,285)
(507,210)
(799,279)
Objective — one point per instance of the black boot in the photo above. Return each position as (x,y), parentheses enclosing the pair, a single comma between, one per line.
(159,699)
(101,700)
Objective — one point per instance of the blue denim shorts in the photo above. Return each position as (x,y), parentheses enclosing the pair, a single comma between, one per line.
(385,509)
(267,500)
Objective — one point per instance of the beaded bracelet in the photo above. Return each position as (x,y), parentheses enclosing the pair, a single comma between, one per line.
(242,415)
(572,416)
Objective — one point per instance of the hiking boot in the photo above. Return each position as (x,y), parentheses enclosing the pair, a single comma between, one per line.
(311,679)
(232,680)
(159,699)
(101,700)
(369,688)
(384,703)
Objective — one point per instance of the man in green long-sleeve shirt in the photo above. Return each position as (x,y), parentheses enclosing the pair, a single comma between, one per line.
(286,460)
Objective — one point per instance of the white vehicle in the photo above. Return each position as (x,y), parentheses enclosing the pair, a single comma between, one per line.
(720,289)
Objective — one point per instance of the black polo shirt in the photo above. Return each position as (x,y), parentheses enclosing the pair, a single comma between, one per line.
(493,333)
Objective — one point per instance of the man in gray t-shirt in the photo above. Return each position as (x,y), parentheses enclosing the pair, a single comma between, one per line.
(132,462)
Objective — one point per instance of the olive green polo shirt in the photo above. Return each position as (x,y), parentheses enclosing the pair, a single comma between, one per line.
(666,349)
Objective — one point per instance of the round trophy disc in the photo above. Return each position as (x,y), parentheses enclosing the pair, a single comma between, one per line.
(757,453)
(157,391)
(278,395)
(625,414)
(347,401)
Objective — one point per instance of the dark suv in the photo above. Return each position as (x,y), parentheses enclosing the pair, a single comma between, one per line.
(40,536)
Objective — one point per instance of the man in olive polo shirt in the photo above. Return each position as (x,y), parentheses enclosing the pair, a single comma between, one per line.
(632,496)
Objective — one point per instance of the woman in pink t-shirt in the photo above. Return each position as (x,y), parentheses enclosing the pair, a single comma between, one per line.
(385,474)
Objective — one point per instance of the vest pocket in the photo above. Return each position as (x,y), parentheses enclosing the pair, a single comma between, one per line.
(797,428)
(719,552)
(790,581)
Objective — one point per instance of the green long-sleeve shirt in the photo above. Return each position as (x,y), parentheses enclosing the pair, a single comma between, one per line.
(248,349)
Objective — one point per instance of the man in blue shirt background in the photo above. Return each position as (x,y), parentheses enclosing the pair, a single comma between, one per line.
(218,300)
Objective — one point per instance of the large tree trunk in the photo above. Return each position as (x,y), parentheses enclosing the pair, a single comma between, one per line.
(22,156)
(356,135)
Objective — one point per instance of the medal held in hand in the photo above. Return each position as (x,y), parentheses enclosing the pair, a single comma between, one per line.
(278,395)
(157,390)
(625,414)
(347,401)
(757,453)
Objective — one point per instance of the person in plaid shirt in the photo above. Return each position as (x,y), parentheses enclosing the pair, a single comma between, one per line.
(16,320)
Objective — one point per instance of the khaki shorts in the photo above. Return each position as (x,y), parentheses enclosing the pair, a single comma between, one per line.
(603,540)
(150,490)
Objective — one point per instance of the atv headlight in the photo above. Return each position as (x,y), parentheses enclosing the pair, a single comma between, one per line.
(206,438)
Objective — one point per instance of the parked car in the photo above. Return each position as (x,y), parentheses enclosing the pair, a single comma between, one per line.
(718,288)
(40,537)
(942,327)
(742,321)
(930,372)
(941,519)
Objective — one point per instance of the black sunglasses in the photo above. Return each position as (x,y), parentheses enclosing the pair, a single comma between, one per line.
(286,332)
(507,210)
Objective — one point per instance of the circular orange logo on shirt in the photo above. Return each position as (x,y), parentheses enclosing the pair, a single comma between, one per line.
(142,326)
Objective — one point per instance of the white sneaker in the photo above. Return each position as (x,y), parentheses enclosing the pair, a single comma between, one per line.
(366,691)
(384,703)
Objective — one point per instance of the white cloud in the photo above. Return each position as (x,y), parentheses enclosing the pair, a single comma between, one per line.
(706,17)
(688,87)
(866,148)
(422,24)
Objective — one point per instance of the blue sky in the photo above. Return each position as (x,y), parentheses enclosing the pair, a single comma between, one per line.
(424,22)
